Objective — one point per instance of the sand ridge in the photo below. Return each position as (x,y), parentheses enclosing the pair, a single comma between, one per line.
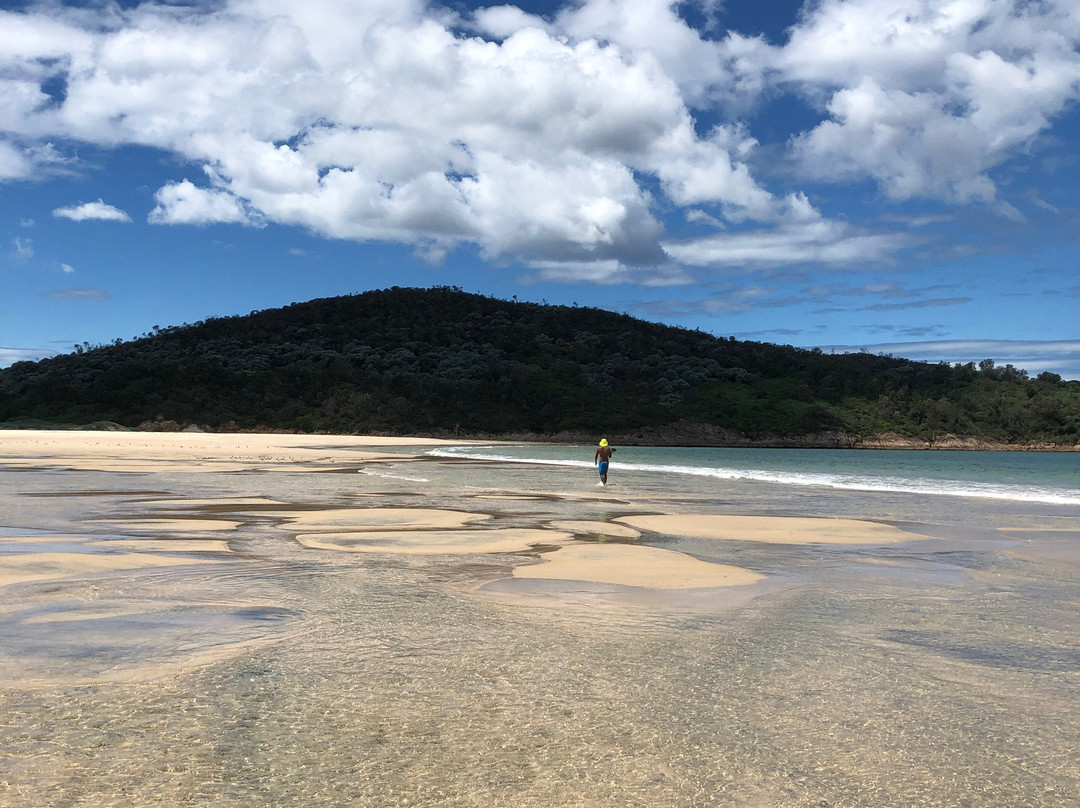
(771,529)
(629,565)
(342,519)
(591,528)
(421,542)
(142,452)
(23,567)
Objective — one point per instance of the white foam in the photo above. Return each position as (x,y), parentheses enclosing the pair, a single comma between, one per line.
(387,476)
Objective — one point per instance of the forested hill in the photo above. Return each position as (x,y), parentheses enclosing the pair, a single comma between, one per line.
(443,362)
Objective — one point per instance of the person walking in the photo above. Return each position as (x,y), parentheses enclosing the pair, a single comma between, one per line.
(602,459)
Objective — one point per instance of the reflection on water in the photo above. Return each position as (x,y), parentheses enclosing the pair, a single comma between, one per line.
(944,673)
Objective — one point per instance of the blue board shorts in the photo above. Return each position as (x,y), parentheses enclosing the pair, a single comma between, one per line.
(602,467)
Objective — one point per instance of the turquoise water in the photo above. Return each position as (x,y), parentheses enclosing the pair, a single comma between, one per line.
(1031,477)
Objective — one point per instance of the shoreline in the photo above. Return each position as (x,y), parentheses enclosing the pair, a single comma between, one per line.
(152,530)
(677,435)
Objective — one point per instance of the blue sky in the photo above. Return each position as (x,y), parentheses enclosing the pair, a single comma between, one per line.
(885,175)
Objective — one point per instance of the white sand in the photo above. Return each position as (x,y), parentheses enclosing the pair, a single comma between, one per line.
(194,452)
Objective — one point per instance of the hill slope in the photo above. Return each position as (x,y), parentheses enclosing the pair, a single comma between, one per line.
(440,361)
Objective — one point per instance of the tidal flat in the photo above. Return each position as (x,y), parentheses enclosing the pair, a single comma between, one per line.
(208,620)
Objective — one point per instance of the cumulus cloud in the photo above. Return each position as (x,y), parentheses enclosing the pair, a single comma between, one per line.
(500,22)
(184,203)
(95,211)
(925,97)
(653,29)
(377,121)
(564,141)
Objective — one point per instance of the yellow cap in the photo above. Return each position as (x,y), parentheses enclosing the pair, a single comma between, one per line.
(603,441)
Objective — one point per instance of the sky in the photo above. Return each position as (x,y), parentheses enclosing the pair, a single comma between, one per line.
(891,176)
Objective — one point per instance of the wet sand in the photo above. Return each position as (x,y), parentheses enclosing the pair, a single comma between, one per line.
(199,619)
(413,530)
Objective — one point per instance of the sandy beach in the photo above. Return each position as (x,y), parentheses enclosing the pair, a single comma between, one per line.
(412,530)
(207,619)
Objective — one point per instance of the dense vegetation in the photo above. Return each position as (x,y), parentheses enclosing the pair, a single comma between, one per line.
(440,361)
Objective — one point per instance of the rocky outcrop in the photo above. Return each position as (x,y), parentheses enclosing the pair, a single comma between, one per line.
(890,440)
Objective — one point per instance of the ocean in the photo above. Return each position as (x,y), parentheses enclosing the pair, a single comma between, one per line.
(1051,478)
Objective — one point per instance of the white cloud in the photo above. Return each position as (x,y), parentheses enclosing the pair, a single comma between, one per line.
(9,356)
(184,203)
(375,121)
(695,171)
(926,98)
(30,162)
(601,272)
(562,140)
(653,29)
(727,300)
(901,140)
(14,165)
(92,211)
(22,249)
(500,22)
(80,294)
(803,238)
(580,208)
(67,269)
(1034,356)
(606,272)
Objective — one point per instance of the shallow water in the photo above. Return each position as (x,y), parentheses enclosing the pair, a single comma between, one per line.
(944,671)
(1038,477)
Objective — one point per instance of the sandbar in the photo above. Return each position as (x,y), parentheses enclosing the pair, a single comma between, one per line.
(167,545)
(174,525)
(587,527)
(433,542)
(225,503)
(195,451)
(343,519)
(630,565)
(771,529)
(23,567)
